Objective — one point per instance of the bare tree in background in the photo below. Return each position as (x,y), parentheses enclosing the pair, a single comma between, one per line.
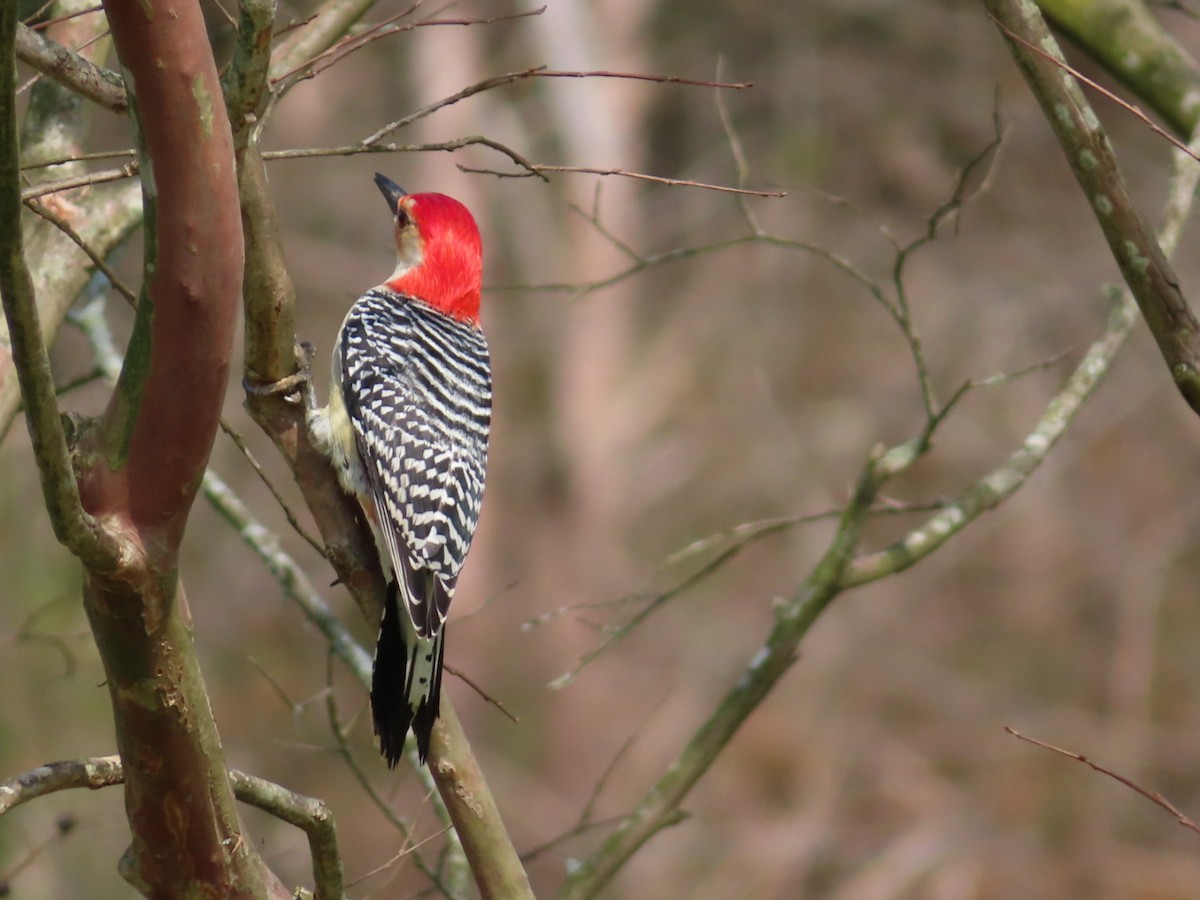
(119,488)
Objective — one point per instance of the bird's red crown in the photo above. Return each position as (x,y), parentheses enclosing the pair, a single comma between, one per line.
(440,254)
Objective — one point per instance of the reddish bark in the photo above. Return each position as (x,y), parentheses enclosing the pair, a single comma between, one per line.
(147,457)
(158,431)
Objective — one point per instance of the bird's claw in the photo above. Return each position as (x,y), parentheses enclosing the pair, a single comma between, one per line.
(294,388)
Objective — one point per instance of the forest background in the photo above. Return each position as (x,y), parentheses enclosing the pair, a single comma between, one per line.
(732,392)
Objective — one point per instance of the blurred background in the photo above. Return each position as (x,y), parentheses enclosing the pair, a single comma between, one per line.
(731,386)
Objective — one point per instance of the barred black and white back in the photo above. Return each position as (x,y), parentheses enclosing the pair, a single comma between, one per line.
(416,385)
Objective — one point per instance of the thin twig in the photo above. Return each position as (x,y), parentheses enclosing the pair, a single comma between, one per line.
(98,261)
(445,146)
(469,91)
(339,736)
(291,517)
(458,673)
(658,79)
(79,157)
(593,219)
(344,47)
(739,154)
(65,184)
(540,168)
(352,43)
(43,25)
(1153,796)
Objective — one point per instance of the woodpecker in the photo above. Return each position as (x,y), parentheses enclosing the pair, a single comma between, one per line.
(406,429)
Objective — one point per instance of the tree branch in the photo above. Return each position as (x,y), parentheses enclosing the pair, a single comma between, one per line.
(838,570)
(72,525)
(55,125)
(188,312)
(98,772)
(98,84)
(659,808)
(1153,796)
(306,813)
(1006,479)
(146,458)
(494,862)
(1153,283)
(328,22)
(1129,42)
(246,92)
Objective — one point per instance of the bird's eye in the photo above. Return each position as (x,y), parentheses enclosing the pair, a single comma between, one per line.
(402,219)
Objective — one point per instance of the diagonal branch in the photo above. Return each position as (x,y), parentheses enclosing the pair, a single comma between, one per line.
(1126,38)
(1003,481)
(53,130)
(1153,796)
(659,808)
(1150,277)
(96,83)
(72,526)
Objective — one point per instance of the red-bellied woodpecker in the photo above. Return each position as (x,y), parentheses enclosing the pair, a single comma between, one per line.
(407,431)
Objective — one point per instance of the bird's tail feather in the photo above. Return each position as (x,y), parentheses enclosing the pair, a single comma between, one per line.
(389,703)
(406,683)
(423,687)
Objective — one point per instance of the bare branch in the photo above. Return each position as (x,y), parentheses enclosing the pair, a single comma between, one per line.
(319,30)
(96,773)
(65,184)
(469,91)
(28,166)
(1151,280)
(1129,41)
(72,525)
(288,514)
(793,618)
(494,862)
(352,43)
(1153,796)
(1131,108)
(839,570)
(308,814)
(312,816)
(445,146)
(735,148)
(542,168)
(1002,482)
(484,695)
(65,17)
(97,260)
(96,83)
(657,79)
(900,308)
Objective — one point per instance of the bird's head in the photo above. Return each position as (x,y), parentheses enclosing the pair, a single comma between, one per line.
(439,256)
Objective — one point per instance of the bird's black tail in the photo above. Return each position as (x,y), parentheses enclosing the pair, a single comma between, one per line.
(406,684)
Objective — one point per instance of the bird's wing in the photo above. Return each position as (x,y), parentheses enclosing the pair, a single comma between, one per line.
(417,386)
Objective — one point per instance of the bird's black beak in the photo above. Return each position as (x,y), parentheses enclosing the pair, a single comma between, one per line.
(391,191)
